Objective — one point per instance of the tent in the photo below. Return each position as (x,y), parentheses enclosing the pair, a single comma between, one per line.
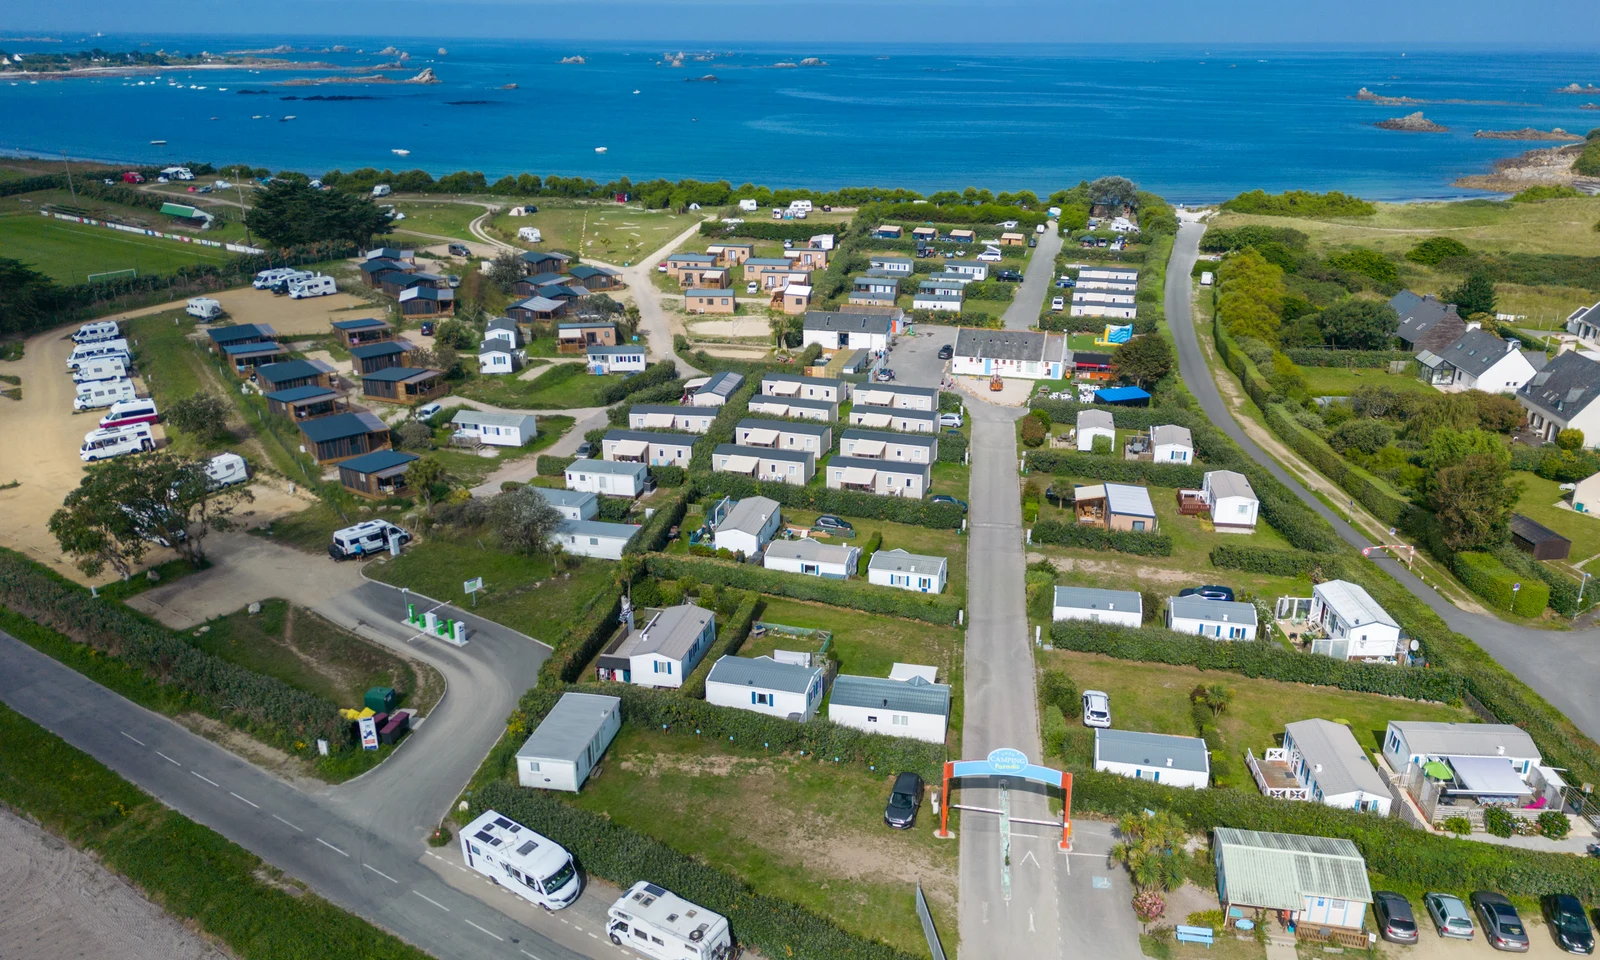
(1125,396)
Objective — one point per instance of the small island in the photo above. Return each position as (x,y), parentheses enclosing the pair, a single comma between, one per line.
(573,60)
(1578,88)
(1412,123)
(1528,133)
(708,78)
(1370,97)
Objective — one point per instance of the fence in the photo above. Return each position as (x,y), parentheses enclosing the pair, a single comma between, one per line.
(143,231)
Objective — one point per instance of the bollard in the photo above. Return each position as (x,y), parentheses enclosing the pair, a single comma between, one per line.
(460,632)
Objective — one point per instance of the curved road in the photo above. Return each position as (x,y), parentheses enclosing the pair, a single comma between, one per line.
(1562,666)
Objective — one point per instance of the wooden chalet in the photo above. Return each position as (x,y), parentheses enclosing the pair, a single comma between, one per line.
(372,357)
(307,402)
(353,333)
(377,475)
(404,385)
(344,435)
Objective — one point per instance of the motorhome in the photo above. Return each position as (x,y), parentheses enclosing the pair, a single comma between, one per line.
(530,234)
(125,412)
(312,287)
(97,331)
(106,368)
(363,539)
(267,278)
(659,923)
(226,469)
(381,190)
(115,441)
(533,866)
(796,206)
(177,173)
(204,308)
(96,351)
(102,393)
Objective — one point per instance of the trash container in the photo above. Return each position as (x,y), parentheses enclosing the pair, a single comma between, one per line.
(380,699)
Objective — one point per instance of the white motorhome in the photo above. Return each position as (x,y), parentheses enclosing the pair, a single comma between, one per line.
(312,287)
(533,866)
(267,278)
(97,331)
(102,393)
(659,923)
(381,190)
(226,469)
(106,368)
(363,539)
(95,351)
(530,234)
(204,308)
(116,441)
(125,412)
(177,173)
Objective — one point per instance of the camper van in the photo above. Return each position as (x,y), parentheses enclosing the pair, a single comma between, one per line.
(125,412)
(83,353)
(364,539)
(658,923)
(530,234)
(204,308)
(534,867)
(267,278)
(381,190)
(97,331)
(102,393)
(177,173)
(114,442)
(105,368)
(226,469)
(312,287)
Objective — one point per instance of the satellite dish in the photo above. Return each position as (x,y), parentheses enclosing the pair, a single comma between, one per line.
(1415,646)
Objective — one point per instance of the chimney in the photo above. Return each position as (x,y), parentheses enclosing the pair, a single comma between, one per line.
(1169,761)
(1317,767)
(1512,344)
(1501,750)
(1474,325)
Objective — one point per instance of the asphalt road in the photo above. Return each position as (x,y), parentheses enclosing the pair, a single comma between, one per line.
(1562,666)
(1024,310)
(345,860)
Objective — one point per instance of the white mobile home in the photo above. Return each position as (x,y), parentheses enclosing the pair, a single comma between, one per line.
(495,428)
(572,504)
(662,652)
(815,439)
(908,571)
(1124,608)
(793,407)
(608,477)
(896,396)
(795,467)
(1103,303)
(648,446)
(1234,507)
(715,390)
(1159,757)
(854,331)
(1218,619)
(763,685)
(890,418)
(532,866)
(651,416)
(1330,767)
(1092,424)
(602,359)
(748,527)
(1488,760)
(1172,444)
(496,356)
(503,328)
(594,538)
(829,561)
(569,742)
(791,386)
(912,708)
(888,445)
(975,269)
(887,478)
(1354,626)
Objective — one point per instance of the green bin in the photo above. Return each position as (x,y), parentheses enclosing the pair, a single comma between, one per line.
(380,699)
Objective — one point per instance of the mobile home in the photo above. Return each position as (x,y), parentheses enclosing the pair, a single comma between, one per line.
(566,745)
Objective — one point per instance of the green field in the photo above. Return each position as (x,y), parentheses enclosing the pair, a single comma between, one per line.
(601,231)
(438,218)
(562,386)
(1538,503)
(1339,382)
(69,252)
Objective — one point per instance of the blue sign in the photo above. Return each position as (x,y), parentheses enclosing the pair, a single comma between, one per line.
(1007,760)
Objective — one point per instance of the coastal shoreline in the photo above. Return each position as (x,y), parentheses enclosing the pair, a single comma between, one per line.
(1541,166)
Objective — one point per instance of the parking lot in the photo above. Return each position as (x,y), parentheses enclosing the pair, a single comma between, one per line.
(293,317)
(915,359)
(1431,946)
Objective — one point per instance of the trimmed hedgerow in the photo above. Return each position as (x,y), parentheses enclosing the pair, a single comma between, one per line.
(1278,563)
(583,639)
(730,637)
(669,476)
(870,598)
(658,373)
(1563,589)
(1094,538)
(1116,469)
(1323,357)
(851,503)
(1486,576)
(548,466)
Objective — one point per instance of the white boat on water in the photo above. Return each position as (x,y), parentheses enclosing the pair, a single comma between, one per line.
(158,143)
(286,118)
(599,149)
(401,153)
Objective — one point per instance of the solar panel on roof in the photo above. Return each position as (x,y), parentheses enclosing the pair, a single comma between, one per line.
(527,848)
(652,888)
(485,836)
(502,823)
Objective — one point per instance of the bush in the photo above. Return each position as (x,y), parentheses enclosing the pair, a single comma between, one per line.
(1033,432)
(1056,689)
(1277,563)
(553,466)
(1460,826)
(851,503)
(1093,538)
(1363,359)
(653,535)
(1229,239)
(1099,467)
(669,476)
(1365,436)
(952,447)
(1435,250)
(867,550)
(583,639)
(1300,203)
(1486,576)
(1498,822)
(1554,824)
(658,373)
(1563,589)
(927,607)
(1368,263)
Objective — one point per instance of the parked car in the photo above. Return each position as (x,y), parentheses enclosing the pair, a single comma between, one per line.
(427,328)
(1501,923)
(1208,592)
(1396,922)
(1009,276)
(830,522)
(1568,924)
(946,352)
(459,250)
(1033,241)
(946,498)
(1058,304)
(950,420)
(904,799)
(585,450)
(453,280)
(427,410)
(988,256)
(1096,709)
(661,267)
(752,287)
(1449,915)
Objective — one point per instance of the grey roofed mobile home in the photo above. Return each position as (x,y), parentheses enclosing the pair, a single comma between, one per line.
(1096,420)
(882,466)
(897,388)
(1228,483)
(1093,598)
(762,672)
(1168,433)
(558,497)
(671,633)
(1151,749)
(495,418)
(767,453)
(808,549)
(1199,608)
(922,440)
(722,384)
(496,345)
(801,379)
(844,321)
(1436,738)
(749,515)
(899,561)
(1340,765)
(566,730)
(612,467)
(909,696)
(785,426)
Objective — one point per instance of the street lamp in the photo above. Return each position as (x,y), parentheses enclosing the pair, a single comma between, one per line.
(1581,585)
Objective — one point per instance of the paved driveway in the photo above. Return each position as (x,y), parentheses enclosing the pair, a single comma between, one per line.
(915,359)
(1024,310)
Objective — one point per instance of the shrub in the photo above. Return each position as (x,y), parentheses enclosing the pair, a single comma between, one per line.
(1366,436)
(1277,563)
(1148,906)
(1101,446)
(652,536)
(1300,203)
(1229,239)
(669,476)
(952,447)
(1365,359)
(1460,826)
(927,607)
(1093,538)
(1554,824)
(1033,433)
(867,550)
(1369,263)
(1072,463)
(583,639)
(851,503)
(1497,822)
(547,466)
(1057,689)
(1486,576)
(658,373)
(1545,192)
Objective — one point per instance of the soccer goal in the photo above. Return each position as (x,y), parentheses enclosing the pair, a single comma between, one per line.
(113,275)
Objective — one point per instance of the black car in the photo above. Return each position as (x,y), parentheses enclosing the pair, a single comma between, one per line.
(1033,241)
(427,328)
(1010,276)
(830,522)
(904,799)
(1396,922)
(947,351)
(1568,924)
(1208,592)
(459,250)
(1501,923)
(946,498)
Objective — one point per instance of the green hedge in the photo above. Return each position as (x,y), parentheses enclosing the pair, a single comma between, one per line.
(870,598)
(1278,563)
(952,447)
(796,230)
(1116,469)
(583,639)
(548,466)
(1563,589)
(658,373)
(1094,538)
(669,476)
(723,425)
(1127,418)
(730,637)
(867,550)
(1259,659)
(1321,357)
(270,709)
(193,872)
(851,503)
(1486,576)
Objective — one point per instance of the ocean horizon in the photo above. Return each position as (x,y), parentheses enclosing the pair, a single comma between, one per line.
(1196,123)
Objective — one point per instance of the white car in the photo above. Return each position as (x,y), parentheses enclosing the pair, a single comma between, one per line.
(988,256)
(428,410)
(1058,304)
(950,420)
(752,287)
(1096,709)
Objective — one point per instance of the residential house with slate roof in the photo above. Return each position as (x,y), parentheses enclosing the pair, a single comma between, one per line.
(763,685)
(841,330)
(1011,353)
(1584,323)
(1479,360)
(1426,323)
(1562,396)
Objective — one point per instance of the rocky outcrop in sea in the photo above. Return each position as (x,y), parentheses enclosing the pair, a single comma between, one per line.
(573,60)
(1412,123)
(1528,133)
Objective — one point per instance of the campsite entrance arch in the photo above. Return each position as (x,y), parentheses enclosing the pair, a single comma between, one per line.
(1006,762)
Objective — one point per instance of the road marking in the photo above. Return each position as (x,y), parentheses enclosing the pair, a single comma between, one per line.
(432,901)
(481,930)
(134,739)
(285,822)
(595,936)
(1030,921)
(380,873)
(237,797)
(1102,883)
(167,758)
(332,847)
(527,954)
(1029,856)
(207,780)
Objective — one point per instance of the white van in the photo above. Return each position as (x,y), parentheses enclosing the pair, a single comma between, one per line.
(105,368)
(126,412)
(530,234)
(267,278)
(226,469)
(102,393)
(97,331)
(363,539)
(312,287)
(381,190)
(532,866)
(204,308)
(83,353)
(659,923)
(105,444)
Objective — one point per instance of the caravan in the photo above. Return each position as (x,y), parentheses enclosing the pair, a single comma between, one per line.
(226,469)
(106,368)
(114,442)
(534,867)
(658,923)
(530,234)
(317,286)
(97,351)
(177,173)
(102,393)
(97,331)
(126,412)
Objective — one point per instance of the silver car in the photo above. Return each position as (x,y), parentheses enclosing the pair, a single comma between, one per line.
(1449,915)
(1096,709)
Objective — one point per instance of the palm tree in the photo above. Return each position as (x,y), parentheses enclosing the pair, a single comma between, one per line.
(779,325)
(1150,849)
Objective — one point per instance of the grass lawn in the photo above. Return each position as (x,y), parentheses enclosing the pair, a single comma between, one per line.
(439,218)
(1538,502)
(69,252)
(468,469)
(1155,697)
(1340,382)
(603,231)
(518,591)
(563,386)
(311,654)
(222,230)
(952,479)
(788,826)
(949,544)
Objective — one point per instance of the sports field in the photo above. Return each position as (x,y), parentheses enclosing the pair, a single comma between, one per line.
(68,252)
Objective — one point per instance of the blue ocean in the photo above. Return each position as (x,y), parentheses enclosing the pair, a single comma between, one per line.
(1193,123)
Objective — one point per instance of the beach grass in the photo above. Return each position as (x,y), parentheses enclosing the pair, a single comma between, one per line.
(440,218)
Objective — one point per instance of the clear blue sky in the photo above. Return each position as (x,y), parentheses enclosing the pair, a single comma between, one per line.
(1565,23)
